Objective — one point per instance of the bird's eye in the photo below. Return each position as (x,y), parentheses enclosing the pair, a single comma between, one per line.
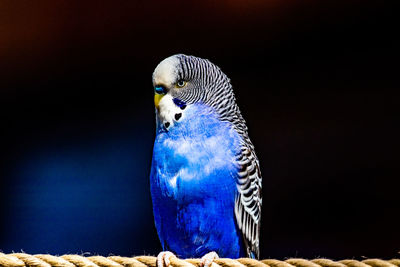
(181,83)
(160,89)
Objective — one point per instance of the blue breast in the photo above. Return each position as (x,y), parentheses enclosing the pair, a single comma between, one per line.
(193,185)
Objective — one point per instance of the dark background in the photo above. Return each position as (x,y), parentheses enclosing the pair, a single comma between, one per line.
(317,82)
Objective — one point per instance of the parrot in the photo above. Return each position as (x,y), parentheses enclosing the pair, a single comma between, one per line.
(205,178)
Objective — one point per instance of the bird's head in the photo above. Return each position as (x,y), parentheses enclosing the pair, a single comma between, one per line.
(181,80)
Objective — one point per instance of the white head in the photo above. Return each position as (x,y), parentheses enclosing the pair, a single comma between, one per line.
(166,79)
(182,80)
(166,72)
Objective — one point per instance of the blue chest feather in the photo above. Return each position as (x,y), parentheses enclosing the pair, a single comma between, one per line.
(193,185)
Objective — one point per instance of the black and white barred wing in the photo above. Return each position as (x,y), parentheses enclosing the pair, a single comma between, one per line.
(248,201)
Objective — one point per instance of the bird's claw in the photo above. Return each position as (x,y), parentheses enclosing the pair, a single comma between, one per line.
(207,259)
(163,258)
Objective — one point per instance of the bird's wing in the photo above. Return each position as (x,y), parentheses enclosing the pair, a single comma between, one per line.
(248,201)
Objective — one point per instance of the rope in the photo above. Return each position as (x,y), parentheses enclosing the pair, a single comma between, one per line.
(45,260)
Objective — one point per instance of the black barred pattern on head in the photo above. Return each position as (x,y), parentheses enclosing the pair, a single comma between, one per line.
(208,84)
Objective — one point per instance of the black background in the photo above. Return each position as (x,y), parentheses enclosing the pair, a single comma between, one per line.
(317,82)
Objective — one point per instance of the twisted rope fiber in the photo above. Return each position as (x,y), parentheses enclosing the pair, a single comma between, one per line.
(45,260)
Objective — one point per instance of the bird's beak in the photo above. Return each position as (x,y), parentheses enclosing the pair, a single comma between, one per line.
(157,99)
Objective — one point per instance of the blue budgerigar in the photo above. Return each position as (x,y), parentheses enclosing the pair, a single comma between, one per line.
(205,176)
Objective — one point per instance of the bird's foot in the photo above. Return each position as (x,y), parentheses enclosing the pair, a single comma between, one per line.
(163,258)
(207,259)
